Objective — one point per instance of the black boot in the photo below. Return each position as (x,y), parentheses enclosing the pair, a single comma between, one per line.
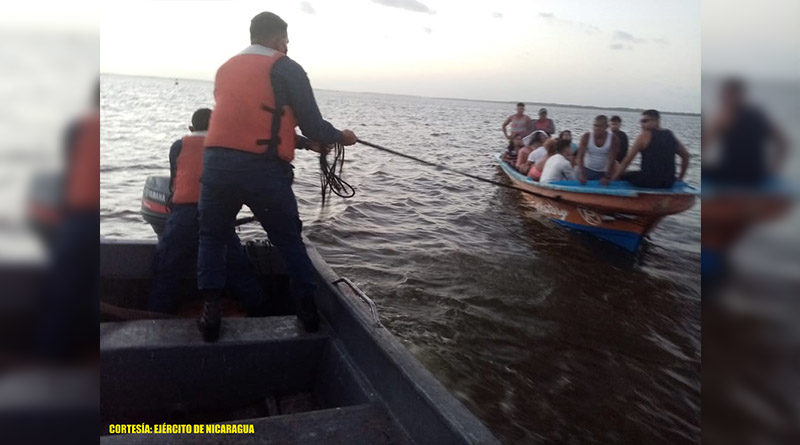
(211,320)
(307,314)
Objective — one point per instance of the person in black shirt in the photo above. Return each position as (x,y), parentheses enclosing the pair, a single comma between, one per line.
(616,123)
(658,147)
(750,146)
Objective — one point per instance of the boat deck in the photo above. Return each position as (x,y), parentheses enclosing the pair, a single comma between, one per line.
(351,382)
(292,386)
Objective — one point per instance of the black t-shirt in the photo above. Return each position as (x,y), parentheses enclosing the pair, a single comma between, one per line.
(623,145)
(658,158)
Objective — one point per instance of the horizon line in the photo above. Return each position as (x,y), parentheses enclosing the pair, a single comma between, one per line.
(549,104)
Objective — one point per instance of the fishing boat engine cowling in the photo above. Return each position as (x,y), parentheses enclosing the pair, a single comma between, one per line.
(155,199)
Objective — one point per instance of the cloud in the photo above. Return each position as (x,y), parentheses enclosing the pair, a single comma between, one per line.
(628,37)
(427,30)
(409,5)
(616,46)
(497,15)
(586,27)
(661,41)
(307,8)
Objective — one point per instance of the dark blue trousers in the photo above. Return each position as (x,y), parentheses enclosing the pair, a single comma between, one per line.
(176,252)
(267,190)
(70,310)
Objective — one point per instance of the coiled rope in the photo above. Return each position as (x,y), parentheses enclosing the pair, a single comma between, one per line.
(330,174)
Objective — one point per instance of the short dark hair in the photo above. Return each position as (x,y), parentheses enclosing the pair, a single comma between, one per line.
(652,113)
(616,118)
(733,85)
(200,119)
(602,118)
(520,104)
(267,25)
(562,144)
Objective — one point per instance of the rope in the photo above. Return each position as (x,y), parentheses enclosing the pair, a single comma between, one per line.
(442,167)
(330,175)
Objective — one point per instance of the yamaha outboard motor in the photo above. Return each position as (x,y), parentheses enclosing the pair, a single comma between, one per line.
(155,200)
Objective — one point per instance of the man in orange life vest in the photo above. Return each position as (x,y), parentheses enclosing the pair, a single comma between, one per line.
(178,244)
(261,96)
(68,326)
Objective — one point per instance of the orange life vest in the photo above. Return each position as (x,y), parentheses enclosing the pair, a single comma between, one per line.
(83,171)
(186,185)
(245,106)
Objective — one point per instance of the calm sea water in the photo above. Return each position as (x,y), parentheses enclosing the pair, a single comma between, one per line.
(546,335)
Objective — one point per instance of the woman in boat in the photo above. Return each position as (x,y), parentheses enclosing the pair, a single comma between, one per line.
(567,136)
(514,145)
(537,138)
(558,167)
(539,157)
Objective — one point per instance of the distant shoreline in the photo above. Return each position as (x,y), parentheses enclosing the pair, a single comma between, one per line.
(543,104)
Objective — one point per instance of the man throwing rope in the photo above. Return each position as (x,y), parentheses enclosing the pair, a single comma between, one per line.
(261,96)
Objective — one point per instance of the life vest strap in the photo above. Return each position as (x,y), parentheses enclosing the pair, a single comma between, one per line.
(269,109)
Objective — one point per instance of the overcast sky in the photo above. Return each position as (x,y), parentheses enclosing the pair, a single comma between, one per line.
(613,53)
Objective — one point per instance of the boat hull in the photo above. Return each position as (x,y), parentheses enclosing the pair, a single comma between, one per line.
(619,214)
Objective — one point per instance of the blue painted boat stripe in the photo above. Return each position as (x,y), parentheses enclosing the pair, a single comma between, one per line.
(628,240)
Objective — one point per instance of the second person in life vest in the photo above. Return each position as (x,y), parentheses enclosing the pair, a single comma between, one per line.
(178,244)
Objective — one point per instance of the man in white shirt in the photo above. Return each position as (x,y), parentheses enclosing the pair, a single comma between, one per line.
(597,153)
(558,167)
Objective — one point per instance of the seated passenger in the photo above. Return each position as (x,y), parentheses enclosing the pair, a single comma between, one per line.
(536,140)
(597,154)
(658,147)
(538,157)
(567,135)
(510,155)
(558,167)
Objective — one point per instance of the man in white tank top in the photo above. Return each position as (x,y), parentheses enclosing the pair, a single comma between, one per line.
(520,123)
(597,153)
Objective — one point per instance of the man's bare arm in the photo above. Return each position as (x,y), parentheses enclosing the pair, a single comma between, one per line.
(505,124)
(684,154)
(638,144)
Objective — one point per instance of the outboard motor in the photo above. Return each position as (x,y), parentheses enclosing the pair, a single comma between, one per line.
(155,199)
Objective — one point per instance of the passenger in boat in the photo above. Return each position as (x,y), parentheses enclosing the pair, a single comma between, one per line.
(597,154)
(616,123)
(520,123)
(536,140)
(658,147)
(538,157)
(544,124)
(558,167)
(751,148)
(514,145)
(178,245)
(567,136)
(250,145)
